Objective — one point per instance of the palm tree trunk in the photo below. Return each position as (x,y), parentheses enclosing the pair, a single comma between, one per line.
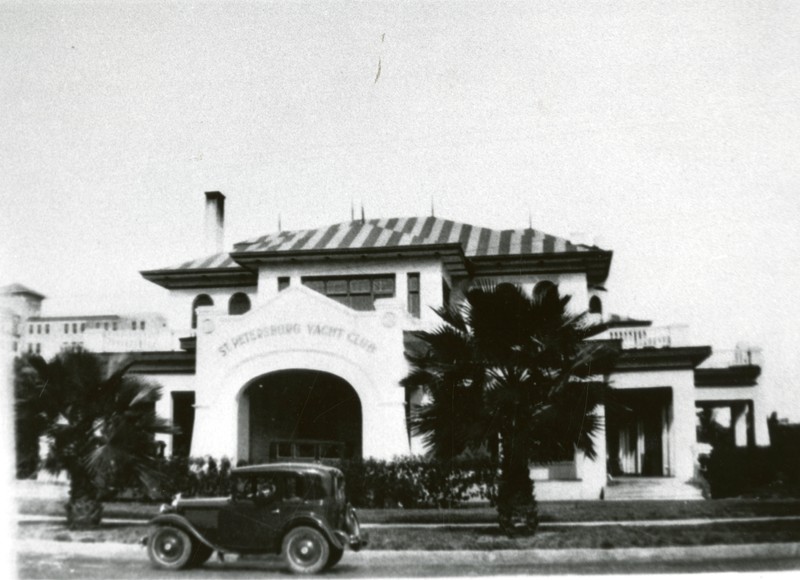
(84,509)
(516,505)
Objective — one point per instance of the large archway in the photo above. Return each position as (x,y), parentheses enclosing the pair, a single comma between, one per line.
(302,414)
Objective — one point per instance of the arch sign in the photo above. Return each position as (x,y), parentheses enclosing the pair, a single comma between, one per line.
(272,332)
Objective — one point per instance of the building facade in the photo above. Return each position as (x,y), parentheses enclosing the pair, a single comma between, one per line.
(293,348)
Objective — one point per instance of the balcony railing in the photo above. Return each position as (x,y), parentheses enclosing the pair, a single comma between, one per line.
(738,357)
(650,336)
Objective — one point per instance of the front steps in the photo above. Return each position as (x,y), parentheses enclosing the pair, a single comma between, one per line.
(632,488)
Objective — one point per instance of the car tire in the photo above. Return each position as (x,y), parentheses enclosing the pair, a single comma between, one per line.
(200,555)
(305,550)
(335,556)
(169,547)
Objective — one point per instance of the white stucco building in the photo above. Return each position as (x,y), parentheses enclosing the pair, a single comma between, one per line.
(293,347)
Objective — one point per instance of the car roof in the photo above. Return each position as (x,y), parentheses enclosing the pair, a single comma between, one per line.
(286,468)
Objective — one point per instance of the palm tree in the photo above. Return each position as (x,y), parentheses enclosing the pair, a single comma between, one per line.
(100,423)
(510,371)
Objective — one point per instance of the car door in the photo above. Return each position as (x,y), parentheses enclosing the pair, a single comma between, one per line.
(252,520)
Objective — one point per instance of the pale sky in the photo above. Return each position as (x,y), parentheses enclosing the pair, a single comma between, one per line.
(668,133)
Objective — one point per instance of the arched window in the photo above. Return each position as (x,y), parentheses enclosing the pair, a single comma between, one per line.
(238,304)
(202,300)
(595,305)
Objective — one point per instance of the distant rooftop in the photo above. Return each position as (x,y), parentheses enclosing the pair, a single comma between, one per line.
(13,289)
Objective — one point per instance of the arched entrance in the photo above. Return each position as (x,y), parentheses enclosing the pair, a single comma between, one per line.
(301,414)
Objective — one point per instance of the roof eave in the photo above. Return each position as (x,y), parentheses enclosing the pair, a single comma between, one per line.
(452,255)
(595,263)
(201,278)
(650,359)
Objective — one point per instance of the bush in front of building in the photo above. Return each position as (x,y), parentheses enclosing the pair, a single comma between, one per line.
(735,471)
(417,482)
(403,482)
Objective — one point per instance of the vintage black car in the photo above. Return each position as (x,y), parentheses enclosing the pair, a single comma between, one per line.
(298,510)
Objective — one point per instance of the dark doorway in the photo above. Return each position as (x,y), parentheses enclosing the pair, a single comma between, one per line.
(183,420)
(638,427)
(303,415)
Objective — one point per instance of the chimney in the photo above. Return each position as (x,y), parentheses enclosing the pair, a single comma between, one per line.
(215,222)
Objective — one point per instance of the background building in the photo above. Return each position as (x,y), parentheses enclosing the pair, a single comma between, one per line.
(25,330)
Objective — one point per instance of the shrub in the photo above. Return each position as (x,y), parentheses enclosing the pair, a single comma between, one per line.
(734,471)
(404,482)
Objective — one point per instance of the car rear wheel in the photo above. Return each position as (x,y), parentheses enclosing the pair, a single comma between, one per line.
(169,547)
(306,550)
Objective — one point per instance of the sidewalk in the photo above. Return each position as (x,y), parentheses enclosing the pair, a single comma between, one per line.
(110,550)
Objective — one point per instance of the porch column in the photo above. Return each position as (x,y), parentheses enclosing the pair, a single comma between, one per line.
(739,423)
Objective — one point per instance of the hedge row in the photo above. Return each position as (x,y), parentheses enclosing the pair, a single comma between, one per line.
(405,482)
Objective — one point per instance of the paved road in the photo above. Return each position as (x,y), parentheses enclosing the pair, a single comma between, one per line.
(40,559)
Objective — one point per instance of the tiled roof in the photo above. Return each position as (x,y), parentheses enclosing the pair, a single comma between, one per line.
(403,232)
(416,232)
(221,261)
(15,288)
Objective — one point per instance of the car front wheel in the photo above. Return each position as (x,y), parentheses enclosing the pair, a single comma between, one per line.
(169,547)
(306,550)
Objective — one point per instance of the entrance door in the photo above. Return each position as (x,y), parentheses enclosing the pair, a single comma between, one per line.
(637,432)
(302,414)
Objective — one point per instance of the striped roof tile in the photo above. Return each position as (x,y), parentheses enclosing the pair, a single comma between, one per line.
(415,231)
(393,233)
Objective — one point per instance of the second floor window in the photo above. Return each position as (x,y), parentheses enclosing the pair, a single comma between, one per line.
(413,294)
(239,304)
(357,292)
(201,300)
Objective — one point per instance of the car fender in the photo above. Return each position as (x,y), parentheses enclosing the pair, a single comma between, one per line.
(314,522)
(185,525)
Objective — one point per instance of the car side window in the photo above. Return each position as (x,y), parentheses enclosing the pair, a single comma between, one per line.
(294,488)
(243,487)
(262,488)
(266,488)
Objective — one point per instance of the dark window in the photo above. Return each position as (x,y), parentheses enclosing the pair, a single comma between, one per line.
(202,300)
(445,293)
(413,294)
(238,304)
(30,329)
(105,326)
(545,290)
(183,420)
(113,326)
(38,348)
(595,305)
(66,328)
(83,326)
(74,327)
(133,325)
(283,283)
(357,292)
(38,329)
(141,326)
(47,329)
